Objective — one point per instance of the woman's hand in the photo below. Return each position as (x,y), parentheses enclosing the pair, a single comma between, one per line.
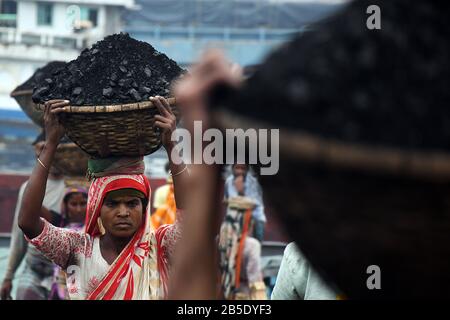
(54,130)
(166,121)
(5,292)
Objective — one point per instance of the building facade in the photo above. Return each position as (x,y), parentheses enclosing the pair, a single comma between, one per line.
(33,33)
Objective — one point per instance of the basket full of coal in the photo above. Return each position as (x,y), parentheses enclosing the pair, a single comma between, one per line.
(109,86)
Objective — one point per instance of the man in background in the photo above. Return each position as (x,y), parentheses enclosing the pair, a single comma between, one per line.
(242,183)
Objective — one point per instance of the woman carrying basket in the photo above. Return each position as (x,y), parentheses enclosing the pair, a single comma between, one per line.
(118,256)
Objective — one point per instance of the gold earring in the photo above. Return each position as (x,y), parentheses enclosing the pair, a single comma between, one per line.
(100,226)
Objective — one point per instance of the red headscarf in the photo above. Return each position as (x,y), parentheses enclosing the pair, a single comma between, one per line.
(100,188)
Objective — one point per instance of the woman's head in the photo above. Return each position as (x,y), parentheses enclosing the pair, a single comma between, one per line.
(119,204)
(122,212)
(75,205)
(240,169)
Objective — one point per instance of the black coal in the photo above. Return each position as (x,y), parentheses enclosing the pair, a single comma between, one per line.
(118,69)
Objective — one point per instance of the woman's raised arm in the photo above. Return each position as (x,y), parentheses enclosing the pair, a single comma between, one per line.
(166,121)
(30,211)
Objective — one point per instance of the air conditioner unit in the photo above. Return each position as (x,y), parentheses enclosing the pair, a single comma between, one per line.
(81,25)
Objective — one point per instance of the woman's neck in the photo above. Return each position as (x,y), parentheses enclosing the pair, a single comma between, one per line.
(111,247)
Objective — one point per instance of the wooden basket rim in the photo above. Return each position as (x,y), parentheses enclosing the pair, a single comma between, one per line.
(21,92)
(310,147)
(109,108)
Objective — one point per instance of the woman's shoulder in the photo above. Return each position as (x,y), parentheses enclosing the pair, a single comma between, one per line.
(162,232)
(83,243)
(167,236)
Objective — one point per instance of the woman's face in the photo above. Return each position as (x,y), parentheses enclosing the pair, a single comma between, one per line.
(240,170)
(76,207)
(122,216)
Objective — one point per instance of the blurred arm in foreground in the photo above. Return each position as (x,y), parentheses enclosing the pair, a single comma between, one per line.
(195,267)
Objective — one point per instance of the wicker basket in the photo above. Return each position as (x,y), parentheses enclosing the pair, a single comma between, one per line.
(70,160)
(23,98)
(350,207)
(77,181)
(114,130)
(240,203)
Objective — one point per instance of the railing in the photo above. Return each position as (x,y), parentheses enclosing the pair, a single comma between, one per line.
(13,36)
(221,34)
(8,20)
(79,41)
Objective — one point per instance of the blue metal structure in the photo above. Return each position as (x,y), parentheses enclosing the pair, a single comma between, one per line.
(185,45)
(247,30)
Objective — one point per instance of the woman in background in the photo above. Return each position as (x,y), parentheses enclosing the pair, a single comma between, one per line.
(73,214)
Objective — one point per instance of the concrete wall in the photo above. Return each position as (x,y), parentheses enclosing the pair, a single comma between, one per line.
(18,63)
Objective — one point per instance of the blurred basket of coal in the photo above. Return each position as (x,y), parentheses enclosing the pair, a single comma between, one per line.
(70,160)
(364,170)
(23,98)
(23,93)
(77,181)
(353,206)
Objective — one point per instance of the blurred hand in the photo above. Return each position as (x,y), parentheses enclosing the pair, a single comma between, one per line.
(5,292)
(166,121)
(54,130)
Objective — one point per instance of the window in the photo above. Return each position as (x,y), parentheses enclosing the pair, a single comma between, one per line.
(8,7)
(44,14)
(8,13)
(89,14)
